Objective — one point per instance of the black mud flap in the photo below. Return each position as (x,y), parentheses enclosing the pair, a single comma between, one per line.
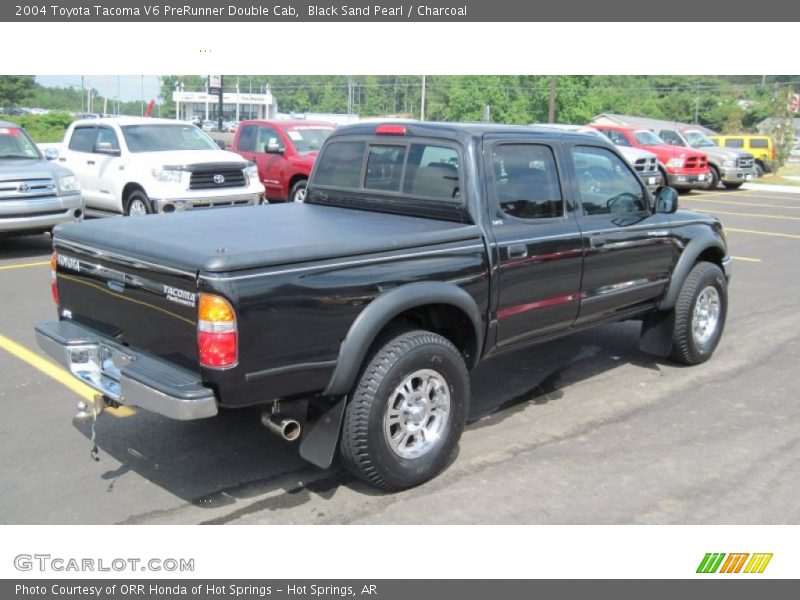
(319,443)
(657,330)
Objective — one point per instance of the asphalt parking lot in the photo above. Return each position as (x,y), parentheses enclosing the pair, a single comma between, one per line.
(581,430)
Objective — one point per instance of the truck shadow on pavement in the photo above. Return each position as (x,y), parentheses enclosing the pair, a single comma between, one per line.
(215,463)
(29,246)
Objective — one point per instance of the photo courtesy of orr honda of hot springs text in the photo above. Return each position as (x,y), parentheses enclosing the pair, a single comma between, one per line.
(355,317)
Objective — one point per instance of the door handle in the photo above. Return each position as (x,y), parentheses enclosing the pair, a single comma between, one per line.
(517,251)
(597,242)
(89,162)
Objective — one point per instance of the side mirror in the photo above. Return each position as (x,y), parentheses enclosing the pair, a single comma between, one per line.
(274,148)
(221,143)
(51,153)
(666,200)
(106,148)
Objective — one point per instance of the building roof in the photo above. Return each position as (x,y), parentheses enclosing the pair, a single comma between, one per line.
(648,123)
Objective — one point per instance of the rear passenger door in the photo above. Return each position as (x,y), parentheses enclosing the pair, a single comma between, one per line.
(537,242)
(629,248)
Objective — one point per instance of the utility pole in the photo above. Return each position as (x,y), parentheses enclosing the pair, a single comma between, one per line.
(422,101)
(696,102)
(117,95)
(551,112)
(142,93)
(82,90)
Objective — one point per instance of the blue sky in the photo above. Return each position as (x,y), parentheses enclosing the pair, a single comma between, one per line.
(130,86)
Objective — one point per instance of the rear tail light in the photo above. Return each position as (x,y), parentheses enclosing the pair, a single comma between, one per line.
(53,281)
(217,338)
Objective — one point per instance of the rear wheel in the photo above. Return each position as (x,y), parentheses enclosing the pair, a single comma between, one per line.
(407,412)
(137,204)
(700,314)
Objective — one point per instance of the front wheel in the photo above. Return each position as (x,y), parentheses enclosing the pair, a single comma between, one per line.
(713,175)
(137,204)
(407,412)
(298,193)
(700,314)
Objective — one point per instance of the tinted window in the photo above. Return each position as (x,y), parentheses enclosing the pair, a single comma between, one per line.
(385,167)
(526,181)
(671,137)
(247,139)
(432,171)
(618,138)
(647,138)
(734,143)
(267,136)
(607,185)
(82,139)
(756,143)
(340,164)
(106,135)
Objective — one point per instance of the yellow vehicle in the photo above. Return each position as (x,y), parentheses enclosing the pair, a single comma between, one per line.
(760,146)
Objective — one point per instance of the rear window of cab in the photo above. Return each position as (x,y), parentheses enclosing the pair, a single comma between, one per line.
(420,169)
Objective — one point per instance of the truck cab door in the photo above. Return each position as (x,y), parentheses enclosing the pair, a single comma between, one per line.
(78,156)
(629,247)
(108,161)
(270,159)
(537,242)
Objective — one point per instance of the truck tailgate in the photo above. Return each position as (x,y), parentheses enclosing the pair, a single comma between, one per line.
(140,304)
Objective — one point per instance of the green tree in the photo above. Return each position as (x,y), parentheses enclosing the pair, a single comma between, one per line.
(15,89)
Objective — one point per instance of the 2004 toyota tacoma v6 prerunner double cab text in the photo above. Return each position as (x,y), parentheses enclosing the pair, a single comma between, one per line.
(354,318)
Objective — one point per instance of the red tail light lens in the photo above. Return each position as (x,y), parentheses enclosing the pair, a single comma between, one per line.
(53,281)
(217,338)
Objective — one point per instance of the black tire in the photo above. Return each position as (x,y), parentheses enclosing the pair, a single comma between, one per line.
(137,204)
(732,186)
(366,447)
(298,192)
(759,170)
(688,347)
(714,174)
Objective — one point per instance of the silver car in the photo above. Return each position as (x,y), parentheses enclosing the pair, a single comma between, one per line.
(35,194)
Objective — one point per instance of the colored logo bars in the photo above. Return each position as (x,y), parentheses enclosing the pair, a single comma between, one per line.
(713,563)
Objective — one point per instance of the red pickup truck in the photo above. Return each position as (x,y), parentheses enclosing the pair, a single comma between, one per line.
(682,168)
(284,152)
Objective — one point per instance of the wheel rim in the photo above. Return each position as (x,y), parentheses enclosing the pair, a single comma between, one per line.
(300,195)
(417,413)
(706,315)
(137,208)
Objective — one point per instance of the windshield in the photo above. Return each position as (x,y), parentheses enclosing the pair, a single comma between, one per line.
(308,139)
(697,139)
(15,143)
(162,138)
(648,138)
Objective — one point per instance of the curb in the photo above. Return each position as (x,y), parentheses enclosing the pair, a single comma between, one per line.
(756,187)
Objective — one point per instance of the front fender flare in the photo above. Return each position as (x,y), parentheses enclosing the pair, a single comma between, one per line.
(383,309)
(687,260)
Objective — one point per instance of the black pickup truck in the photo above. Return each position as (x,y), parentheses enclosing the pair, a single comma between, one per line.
(354,318)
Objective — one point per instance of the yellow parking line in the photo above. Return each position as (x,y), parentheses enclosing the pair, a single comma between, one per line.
(25,265)
(754,204)
(746,259)
(738,214)
(57,373)
(771,233)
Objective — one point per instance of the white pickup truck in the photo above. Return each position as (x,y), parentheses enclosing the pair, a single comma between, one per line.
(136,166)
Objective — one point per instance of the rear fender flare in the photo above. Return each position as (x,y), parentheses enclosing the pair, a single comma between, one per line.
(383,309)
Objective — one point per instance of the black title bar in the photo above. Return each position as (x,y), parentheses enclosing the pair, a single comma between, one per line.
(402,11)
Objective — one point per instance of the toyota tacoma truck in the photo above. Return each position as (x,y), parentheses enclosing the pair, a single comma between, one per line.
(685,169)
(35,194)
(135,166)
(284,152)
(354,318)
(726,165)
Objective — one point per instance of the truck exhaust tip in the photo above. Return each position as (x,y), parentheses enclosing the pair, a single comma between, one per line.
(288,429)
